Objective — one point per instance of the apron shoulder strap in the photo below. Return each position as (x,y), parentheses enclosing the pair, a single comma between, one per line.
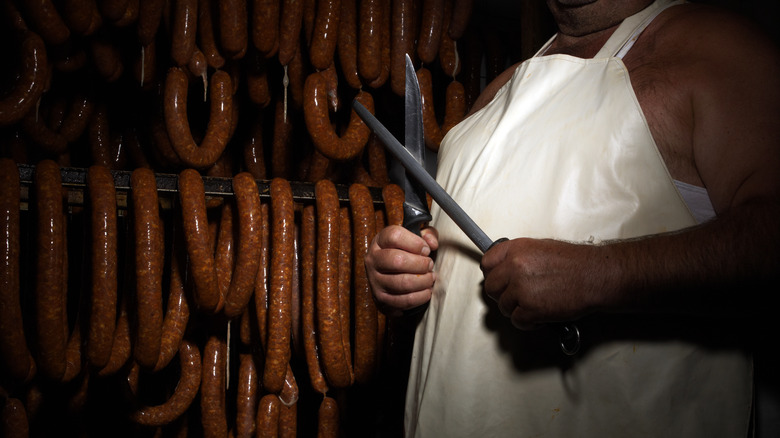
(629,30)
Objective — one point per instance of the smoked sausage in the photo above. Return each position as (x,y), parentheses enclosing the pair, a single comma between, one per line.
(32,80)
(308,263)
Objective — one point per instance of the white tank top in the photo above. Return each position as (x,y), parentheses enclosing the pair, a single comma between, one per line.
(563,151)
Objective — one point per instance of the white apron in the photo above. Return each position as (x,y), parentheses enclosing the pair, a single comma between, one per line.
(564,151)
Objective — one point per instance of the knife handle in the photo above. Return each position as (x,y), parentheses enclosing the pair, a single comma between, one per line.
(414,218)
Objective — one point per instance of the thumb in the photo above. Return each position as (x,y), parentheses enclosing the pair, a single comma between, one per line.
(495,254)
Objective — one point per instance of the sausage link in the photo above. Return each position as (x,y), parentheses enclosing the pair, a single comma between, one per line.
(233,28)
(44,18)
(102,319)
(177,313)
(281,148)
(370,39)
(121,346)
(13,419)
(106,58)
(183,395)
(15,354)
(257,80)
(33,76)
(461,15)
(265,26)
(106,150)
(347,45)
(130,15)
(345,284)
(335,362)
(377,161)
(268,416)
(50,292)
(261,282)
(309,15)
(288,421)
(455,106)
(328,419)
(254,159)
(184,30)
(393,197)
(308,257)
(193,206)
(245,272)
(430,30)
(385,40)
(149,259)
(448,50)
(219,125)
(403,38)
(206,38)
(296,73)
(224,252)
(455,109)
(212,389)
(325,36)
(318,124)
(364,223)
(288,396)
(149,17)
(78,14)
(113,10)
(291,20)
(279,298)
(246,396)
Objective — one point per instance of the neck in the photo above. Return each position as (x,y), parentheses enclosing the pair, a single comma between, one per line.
(585,25)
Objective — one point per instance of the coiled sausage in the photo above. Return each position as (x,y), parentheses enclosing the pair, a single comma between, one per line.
(212,389)
(308,263)
(32,80)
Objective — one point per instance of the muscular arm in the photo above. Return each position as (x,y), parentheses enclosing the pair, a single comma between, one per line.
(732,147)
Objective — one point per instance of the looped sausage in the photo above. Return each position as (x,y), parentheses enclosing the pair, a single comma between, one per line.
(328,419)
(268,416)
(233,23)
(184,29)
(318,123)
(290,24)
(57,139)
(393,197)
(220,118)
(184,394)
(177,314)
(245,272)
(325,36)
(403,38)
(212,390)
(430,30)
(193,206)
(347,46)
(44,17)
(246,396)
(102,320)
(149,259)
(32,80)
(13,344)
(280,291)
(328,313)
(206,35)
(364,224)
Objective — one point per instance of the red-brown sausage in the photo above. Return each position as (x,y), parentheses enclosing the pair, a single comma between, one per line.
(177,313)
(308,263)
(263,274)
(106,150)
(212,388)
(364,223)
(78,14)
(121,347)
(43,16)
(265,26)
(461,15)
(288,396)
(318,124)
(377,161)
(102,315)
(385,49)
(233,28)
(403,38)
(106,57)
(193,203)
(393,197)
(184,394)
(254,159)
(370,39)
(325,36)
(281,148)
(184,30)
(268,416)
(347,45)
(455,109)
(328,419)
(246,396)
(279,298)
(327,305)
(32,80)
(149,259)
(449,58)
(206,39)
(224,251)
(241,286)
(15,354)
(50,292)
(430,30)
(345,284)
(149,16)
(220,118)
(288,421)
(290,24)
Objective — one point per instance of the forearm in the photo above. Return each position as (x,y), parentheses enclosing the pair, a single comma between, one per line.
(726,267)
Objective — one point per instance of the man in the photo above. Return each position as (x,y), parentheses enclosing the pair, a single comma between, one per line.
(634,164)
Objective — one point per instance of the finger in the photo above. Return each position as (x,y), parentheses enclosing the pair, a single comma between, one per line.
(494,256)
(519,319)
(431,237)
(401,284)
(394,261)
(398,237)
(389,302)
(496,281)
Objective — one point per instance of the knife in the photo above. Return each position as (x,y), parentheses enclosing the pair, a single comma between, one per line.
(412,158)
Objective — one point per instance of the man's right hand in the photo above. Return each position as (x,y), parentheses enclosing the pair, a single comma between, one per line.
(400,268)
